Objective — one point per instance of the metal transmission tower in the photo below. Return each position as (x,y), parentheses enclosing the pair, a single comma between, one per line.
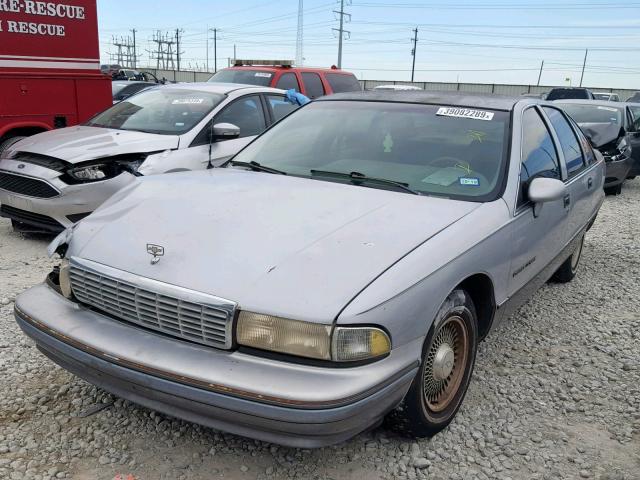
(164,54)
(413,51)
(299,54)
(178,52)
(125,56)
(341,31)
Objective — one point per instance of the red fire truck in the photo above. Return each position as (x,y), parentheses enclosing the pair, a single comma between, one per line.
(49,66)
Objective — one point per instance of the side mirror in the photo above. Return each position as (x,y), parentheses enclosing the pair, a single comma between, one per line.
(225,131)
(542,190)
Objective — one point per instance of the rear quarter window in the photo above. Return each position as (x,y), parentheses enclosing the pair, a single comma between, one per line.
(341,82)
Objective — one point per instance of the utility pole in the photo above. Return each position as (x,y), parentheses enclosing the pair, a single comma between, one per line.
(178,48)
(299,54)
(215,50)
(413,51)
(540,74)
(135,54)
(234,53)
(584,64)
(207,38)
(341,31)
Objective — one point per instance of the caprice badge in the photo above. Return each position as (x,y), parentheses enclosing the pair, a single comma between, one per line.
(156,250)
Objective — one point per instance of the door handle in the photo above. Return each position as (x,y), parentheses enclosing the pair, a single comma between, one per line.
(567,200)
(590,182)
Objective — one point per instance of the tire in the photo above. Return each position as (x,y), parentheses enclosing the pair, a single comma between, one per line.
(439,387)
(617,190)
(569,268)
(10,141)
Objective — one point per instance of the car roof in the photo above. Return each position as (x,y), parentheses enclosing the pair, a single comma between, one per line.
(222,88)
(595,103)
(460,99)
(569,88)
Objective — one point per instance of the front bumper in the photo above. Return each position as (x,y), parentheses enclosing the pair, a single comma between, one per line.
(286,403)
(617,172)
(56,213)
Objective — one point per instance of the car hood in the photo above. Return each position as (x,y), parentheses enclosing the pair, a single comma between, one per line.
(601,133)
(281,245)
(79,144)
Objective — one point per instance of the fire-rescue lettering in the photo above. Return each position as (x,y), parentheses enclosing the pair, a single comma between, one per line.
(32,7)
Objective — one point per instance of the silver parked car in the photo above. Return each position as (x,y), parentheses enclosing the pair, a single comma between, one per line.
(52,180)
(333,271)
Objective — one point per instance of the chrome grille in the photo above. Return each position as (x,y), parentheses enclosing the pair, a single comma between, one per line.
(201,322)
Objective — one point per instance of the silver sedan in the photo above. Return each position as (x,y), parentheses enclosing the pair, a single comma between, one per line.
(53,179)
(311,287)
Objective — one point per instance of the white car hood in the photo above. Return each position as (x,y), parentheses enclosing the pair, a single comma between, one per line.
(275,244)
(79,144)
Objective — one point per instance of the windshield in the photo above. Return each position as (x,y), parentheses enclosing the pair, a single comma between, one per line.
(433,149)
(567,93)
(248,77)
(593,114)
(602,96)
(165,111)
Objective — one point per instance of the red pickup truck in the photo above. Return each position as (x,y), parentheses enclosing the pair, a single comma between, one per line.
(49,67)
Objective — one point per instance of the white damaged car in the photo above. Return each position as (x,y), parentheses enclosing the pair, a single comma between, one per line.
(52,180)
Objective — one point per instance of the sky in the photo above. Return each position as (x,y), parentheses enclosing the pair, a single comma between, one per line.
(470,41)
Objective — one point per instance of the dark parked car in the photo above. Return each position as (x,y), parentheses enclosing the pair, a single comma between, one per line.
(123,89)
(565,93)
(635,98)
(614,128)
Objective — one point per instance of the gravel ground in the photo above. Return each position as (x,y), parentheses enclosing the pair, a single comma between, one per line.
(556,394)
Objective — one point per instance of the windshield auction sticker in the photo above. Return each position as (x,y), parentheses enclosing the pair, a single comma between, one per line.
(465,113)
(188,101)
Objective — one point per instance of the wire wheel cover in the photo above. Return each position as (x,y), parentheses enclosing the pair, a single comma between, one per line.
(445,363)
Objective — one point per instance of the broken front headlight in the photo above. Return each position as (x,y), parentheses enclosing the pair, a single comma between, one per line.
(89,173)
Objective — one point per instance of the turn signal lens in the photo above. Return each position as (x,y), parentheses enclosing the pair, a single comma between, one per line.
(305,339)
(359,343)
(65,279)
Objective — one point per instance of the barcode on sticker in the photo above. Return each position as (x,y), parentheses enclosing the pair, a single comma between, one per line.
(465,113)
(187,101)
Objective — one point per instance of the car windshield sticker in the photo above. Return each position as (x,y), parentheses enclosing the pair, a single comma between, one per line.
(388,143)
(188,101)
(444,177)
(469,181)
(465,113)
(179,124)
(263,74)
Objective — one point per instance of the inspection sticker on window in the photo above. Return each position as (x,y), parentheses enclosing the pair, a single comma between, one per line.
(469,181)
(188,101)
(262,74)
(465,113)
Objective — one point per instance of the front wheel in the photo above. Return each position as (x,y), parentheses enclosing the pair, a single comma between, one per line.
(448,357)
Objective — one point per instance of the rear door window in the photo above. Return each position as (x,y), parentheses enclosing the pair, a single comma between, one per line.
(635,114)
(280,107)
(341,82)
(313,85)
(288,81)
(568,141)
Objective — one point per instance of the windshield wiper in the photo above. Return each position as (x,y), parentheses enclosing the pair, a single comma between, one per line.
(358,177)
(256,166)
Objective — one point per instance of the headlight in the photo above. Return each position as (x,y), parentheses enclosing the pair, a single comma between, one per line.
(90,173)
(311,340)
(65,278)
(6,154)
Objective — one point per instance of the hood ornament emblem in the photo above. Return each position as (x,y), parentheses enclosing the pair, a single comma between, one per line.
(156,250)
